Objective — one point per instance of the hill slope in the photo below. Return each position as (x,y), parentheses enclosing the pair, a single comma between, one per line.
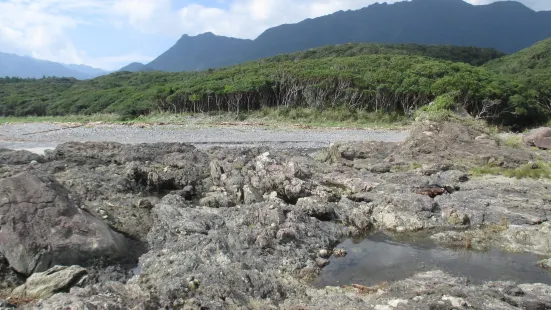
(89,71)
(378,82)
(471,55)
(532,67)
(450,22)
(26,67)
(136,67)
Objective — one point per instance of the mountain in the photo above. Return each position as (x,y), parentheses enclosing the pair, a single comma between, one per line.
(201,52)
(507,26)
(12,65)
(91,71)
(136,67)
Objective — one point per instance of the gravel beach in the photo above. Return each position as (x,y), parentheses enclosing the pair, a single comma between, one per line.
(39,136)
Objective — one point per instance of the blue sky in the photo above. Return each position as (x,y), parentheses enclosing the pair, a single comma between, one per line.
(112,33)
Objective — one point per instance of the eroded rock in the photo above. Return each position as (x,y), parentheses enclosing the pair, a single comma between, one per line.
(42,285)
(40,227)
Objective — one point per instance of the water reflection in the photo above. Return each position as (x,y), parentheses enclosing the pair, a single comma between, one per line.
(378,258)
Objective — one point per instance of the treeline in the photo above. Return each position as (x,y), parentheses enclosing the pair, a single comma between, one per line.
(531,67)
(378,82)
(472,55)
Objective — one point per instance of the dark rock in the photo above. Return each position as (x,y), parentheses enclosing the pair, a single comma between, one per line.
(321,262)
(145,204)
(432,191)
(9,279)
(11,157)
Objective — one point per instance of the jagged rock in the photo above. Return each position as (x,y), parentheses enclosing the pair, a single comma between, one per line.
(289,207)
(8,278)
(45,284)
(217,200)
(251,195)
(41,227)
(454,217)
(11,157)
(110,295)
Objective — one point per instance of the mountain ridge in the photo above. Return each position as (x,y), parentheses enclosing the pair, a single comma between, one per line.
(428,22)
(12,65)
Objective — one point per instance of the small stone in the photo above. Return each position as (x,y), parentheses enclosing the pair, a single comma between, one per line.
(321,262)
(339,253)
(191,285)
(396,302)
(145,204)
(456,301)
(34,162)
(514,291)
(323,253)
(546,264)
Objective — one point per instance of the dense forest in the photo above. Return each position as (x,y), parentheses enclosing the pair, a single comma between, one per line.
(387,78)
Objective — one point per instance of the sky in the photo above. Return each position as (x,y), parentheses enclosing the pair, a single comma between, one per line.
(110,34)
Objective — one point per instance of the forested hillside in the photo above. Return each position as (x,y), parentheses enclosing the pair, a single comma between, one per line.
(531,66)
(506,26)
(471,55)
(392,82)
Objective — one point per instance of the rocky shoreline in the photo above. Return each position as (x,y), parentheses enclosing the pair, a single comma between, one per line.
(250,228)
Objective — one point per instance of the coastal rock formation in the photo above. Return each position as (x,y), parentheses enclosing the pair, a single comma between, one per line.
(250,228)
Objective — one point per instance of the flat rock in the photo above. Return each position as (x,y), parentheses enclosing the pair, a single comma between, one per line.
(537,134)
(45,284)
(543,143)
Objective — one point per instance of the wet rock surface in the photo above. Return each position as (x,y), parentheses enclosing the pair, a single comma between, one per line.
(250,228)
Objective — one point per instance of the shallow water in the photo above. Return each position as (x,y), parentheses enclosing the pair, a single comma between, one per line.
(379,258)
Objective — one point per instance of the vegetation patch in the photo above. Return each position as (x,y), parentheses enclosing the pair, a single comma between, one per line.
(538,170)
(513,140)
(358,84)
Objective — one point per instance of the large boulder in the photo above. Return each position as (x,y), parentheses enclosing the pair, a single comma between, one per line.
(540,137)
(40,227)
(45,284)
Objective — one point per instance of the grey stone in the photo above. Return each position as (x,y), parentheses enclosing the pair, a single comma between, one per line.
(45,284)
(41,227)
